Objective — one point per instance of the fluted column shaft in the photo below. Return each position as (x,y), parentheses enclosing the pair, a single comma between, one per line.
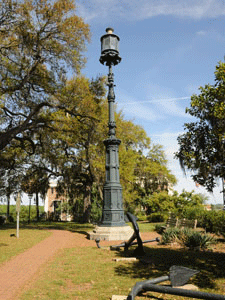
(113,214)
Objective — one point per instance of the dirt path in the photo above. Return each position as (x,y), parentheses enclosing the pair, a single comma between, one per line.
(20,270)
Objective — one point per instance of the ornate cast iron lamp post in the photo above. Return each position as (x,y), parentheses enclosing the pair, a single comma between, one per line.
(113,214)
(113,226)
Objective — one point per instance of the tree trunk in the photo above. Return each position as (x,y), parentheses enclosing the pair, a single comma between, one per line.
(87,205)
(8,206)
(37,206)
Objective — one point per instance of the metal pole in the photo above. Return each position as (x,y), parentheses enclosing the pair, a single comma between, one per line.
(29,210)
(18,200)
(17,224)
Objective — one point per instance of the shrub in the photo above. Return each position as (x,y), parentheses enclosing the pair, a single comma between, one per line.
(187,238)
(193,213)
(170,235)
(213,221)
(195,240)
(156,217)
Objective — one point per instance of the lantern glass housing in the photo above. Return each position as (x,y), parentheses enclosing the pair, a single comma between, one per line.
(110,48)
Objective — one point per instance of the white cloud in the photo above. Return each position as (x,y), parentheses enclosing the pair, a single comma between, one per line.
(211,34)
(172,108)
(160,105)
(201,32)
(87,13)
(167,103)
(136,110)
(144,9)
(142,112)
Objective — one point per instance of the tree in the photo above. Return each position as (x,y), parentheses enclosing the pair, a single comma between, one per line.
(185,204)
(202,146)
(73,149)
(185,201)
(152,176)
(67,143)
(35,181)
(41,41)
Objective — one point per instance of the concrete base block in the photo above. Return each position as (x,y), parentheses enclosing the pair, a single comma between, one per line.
(118,297)
(122,233)
(125,259)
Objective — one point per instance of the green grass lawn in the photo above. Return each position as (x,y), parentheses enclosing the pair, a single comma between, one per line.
(70,226)
(146,226)
(76,227)
(11,245)
(31,234)
(91,274)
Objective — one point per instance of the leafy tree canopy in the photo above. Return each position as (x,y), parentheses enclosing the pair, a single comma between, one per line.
(202,146)
(163,202)
(40,42)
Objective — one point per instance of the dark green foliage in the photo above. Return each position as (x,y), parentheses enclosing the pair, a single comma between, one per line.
(156,217)
(187,202)
(185,205)
(2,219)
(202,146)
(96,210)
(213,221)
(195,240)
(188,238)
(193,213)
(154,179)
(141,216)
(170,235)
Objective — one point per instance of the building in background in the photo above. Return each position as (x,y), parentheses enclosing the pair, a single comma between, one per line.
(53,204)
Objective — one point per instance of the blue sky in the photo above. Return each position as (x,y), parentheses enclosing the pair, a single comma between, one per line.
(169,49)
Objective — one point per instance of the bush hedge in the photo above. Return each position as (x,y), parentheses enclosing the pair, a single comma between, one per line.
(156,217)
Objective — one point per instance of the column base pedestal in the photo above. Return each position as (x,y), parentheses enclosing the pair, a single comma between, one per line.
(122,233)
